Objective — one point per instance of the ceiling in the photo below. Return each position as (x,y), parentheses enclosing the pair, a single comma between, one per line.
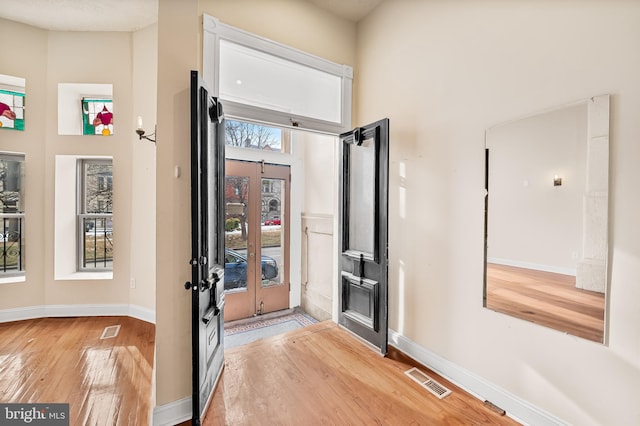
(128,15)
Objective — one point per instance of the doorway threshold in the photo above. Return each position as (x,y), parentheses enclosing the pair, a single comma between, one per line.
(245,331)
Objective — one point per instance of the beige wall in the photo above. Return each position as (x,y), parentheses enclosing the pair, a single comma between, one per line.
(29,61)
(178,29)
(45,59)
(445,71)
(143,179)
(295,23)
(91,57)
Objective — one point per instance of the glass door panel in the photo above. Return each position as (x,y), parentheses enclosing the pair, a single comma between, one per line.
(273,215)
(256,239)
(236,235)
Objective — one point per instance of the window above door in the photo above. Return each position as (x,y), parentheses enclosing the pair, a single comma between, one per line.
(264,81)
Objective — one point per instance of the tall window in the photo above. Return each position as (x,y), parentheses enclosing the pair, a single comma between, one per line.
(11,214)
(95,215)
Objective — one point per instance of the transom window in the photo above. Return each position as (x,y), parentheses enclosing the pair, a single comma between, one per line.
(242,134)
(264,81)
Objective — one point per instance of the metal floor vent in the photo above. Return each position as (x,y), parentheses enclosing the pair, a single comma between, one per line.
(428,383)
(111,331)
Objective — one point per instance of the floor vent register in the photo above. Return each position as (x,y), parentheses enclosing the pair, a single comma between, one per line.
(110,332)
(428,383)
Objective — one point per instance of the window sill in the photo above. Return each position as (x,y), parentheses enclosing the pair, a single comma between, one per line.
(14,279)
(86,276)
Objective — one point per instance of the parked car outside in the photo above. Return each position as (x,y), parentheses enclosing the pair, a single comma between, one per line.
(273,221)
(235,269)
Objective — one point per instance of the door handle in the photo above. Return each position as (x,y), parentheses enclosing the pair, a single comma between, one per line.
(211,312)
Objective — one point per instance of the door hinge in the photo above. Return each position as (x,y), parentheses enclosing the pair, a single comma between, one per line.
(193,262)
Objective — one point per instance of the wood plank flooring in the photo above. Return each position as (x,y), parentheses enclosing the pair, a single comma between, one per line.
(322,375)
(106,382)
(546,298)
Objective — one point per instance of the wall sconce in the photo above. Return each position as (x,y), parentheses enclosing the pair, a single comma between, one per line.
(557,181)
(140,132)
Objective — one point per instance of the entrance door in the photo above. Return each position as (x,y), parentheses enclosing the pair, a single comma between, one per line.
(364,232)
(207,219)
(256,239)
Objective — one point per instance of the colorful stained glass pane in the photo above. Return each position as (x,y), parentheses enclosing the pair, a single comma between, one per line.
(97,116)
(11,110)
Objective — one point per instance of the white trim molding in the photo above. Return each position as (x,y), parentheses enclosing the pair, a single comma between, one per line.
(172,413)
(516,408)
(94,310)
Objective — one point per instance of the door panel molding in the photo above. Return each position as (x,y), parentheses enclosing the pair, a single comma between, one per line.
(363,293)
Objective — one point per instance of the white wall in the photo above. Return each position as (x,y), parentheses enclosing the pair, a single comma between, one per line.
(319,265)
(445,71)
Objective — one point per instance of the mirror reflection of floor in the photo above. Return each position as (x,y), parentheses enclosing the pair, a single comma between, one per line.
(546,298)
(242,332)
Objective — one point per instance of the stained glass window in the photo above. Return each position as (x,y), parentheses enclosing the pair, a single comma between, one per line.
(97,116)
(11,110)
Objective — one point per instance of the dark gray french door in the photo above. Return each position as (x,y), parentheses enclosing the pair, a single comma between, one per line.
(364,232)
(207,244)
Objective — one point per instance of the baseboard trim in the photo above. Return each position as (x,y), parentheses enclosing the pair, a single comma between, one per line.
(93,310)
(172,413)
(141,313)
(516,408)
(20,314)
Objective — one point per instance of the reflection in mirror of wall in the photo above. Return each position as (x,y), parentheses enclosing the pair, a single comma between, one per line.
(85,109)
(12,93)
(546,218)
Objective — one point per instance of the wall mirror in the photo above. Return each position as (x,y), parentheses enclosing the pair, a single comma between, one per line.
(12,91)
(546,218)
(85,109)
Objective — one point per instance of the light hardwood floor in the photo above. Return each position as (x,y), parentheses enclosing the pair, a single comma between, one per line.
(321,375)
(63,360)
(546,298)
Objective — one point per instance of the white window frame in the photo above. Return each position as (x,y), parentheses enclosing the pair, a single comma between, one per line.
(83,214)
(65,221)
(214,31)
(19,274)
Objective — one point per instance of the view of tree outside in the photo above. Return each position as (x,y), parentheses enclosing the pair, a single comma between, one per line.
(10,183)
(96,219)
(98,187)
(249,135)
